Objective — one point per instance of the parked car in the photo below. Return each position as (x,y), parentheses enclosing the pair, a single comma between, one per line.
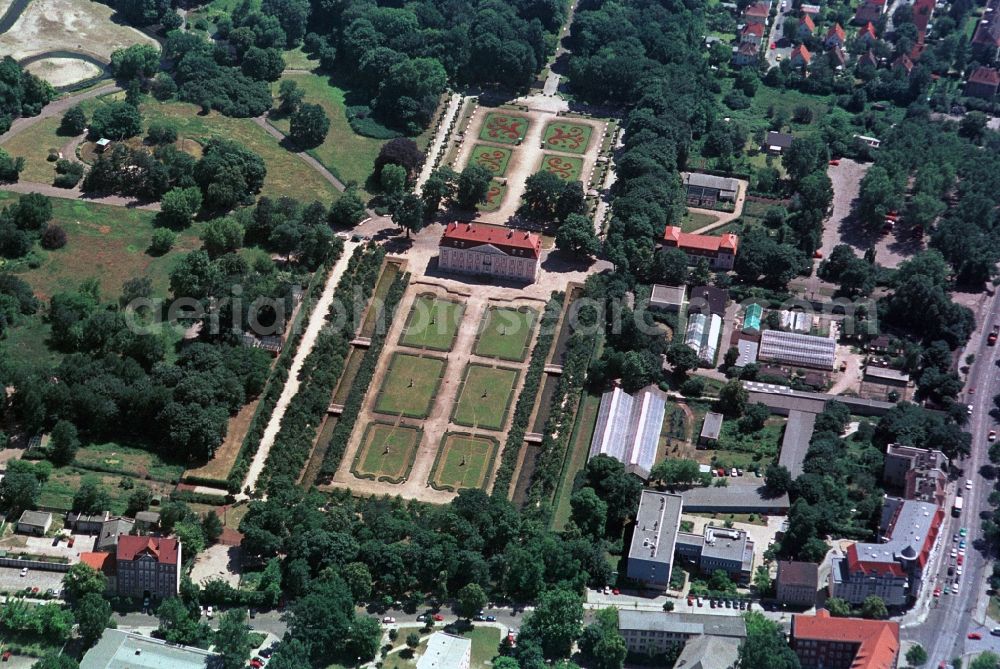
(992,436)
(24,571)
(995,631)
(975,635)
(968,484)
(388,620)
(437,616)
(209,613)
(491,619)
(6,655)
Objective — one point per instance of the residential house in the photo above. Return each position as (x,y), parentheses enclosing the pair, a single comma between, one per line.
(758,12)
(752,33)
(800,56)
(747,53)
(806,27)
(894,568)
(986,39)
(867,59)
(36,523)
(709,652)
(628,428)
(824,642)
(797,583)
(837,58)
(706,190)
(901,459)
(730,550)
(446,651)
(654,535)
(777,142)
(148,566)
(867,35)
(490,250)
(903,64)
(983,83)
(835,36)
(869,11)
(147,521)
(719,250)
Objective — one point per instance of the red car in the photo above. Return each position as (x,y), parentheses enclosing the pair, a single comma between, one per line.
(256,664)
(616,591)
(818,254)
(773,45)
(6,655)
(438,617)
(690,601)
(835,162)
(960,560)
(937,592)
(975,635)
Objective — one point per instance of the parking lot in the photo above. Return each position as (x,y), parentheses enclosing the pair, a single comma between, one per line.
(11,579)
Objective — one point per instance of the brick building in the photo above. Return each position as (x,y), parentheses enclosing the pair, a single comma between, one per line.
(719,250)
(148,566)
(824,642)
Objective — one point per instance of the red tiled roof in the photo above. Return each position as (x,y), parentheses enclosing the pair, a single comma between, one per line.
(687,240)
(807,22)
(836,30)
(867,29)
(747,49)
(856,564)
(99,561)
(757,9)
(754,29)
(904,62)
(802,52)
(164,550)
(878,639)
(798,573)
(922,15)
(985,75)
(504,238)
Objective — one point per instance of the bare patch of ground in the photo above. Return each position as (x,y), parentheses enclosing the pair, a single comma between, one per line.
(63,71)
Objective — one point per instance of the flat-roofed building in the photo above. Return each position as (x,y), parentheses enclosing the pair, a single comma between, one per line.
(446,651)
(491,250)
(628,428)
(717,548)
(651,552)
(886,377)
(655,632)
(795,442)
(34,522)
(735,499)
(708,300)
(710,429)
(791,348)
(667,298)
(900,459)
(118,649)
(705,190)
(719,250)
(86,523)
(748,352)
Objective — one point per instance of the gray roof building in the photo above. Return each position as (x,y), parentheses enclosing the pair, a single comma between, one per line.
(792,348)
(34,522)
(628,429)
(782,399)
(778,141)
(685,623)
(734,499)
(708,187)
(446,651)
(124,650)
(111,529)
(795,443)
(651,552)
(709,652)
(711,428)
(708,299)
(670,298)
(748,352)
(886,376)
(147,518)
(86,523)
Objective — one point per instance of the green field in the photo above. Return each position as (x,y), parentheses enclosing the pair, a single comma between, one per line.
(494,198)
(504,128)
(58,491)
(493,158)
(287,174)
(694,220)
(464,461)
(567,137)
(387,452)
(348,155)
(117,459)
(432,323)
(484,397)
(506,333)
(410,386)
(567,169)
(33,145)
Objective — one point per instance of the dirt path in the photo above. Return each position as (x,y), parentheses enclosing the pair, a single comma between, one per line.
(56,107)
(724,217)
(316,322)
(309,160)
(76,194)
(455,103)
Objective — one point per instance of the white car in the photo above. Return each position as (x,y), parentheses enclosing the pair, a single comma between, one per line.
(958,572)
(954,553)
(388,620)
(24,571)
(968,484)
(968,409)
(992,436)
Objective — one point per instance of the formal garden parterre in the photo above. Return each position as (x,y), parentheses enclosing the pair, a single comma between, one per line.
(494,197)
(432,323)
(567,137)
(506,333)
(387,452)
(493,158)
(410,386)
(464,461)
(567,168)
(504,128)
(484,397)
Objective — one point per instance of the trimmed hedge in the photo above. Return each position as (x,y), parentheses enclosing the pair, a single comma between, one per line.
(200,498)
(526,400)
(323,366)
(362,380)
(276,381)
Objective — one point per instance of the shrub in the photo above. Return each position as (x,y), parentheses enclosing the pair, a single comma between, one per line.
(359,117)
(163,240)
(53,238)
(161,133)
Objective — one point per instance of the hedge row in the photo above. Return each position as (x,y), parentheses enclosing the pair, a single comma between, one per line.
(323,366)
(362,380)
(200,498)
(278,376)
(526,400)
(559,426)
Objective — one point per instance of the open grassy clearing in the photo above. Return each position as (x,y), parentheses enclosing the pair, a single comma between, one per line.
(583,432)
(566,168)
(129,461)
(410,386)
(694,220)
(464,461)
(506,333)
(432,323)
(484,397)
(287,174)
(387,452)
(33,145)
(350,156)
(568,137)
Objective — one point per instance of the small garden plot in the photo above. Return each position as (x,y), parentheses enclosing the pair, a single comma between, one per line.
(568,137)
(493,158)
(484,397)
(464,461)
(494,197)
(504,128)
(387,452)
(410,386)
(506,333)
(567,169)
(117,459)
(432,323)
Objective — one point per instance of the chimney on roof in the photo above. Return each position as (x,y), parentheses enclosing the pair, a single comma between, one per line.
(510,233)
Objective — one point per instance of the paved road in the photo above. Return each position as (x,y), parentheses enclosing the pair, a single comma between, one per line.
(270,621)
(775,35)
(943,632)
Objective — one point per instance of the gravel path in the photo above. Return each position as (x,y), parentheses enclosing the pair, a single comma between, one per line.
(309,160)
(442,134)
(56,107)
(76,194)
(316,322)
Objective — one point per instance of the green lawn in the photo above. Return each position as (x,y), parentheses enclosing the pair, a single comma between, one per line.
(494,198)
(287,174)
(484,397)
(764,442)
(410,386)
(464,461)
(33,145)
(128,461)
(64,482)
(493,158)
(566,168)
(387,452)
(583,432)
(485,644)
(504,128)
(568,137)
(694,220)
(506,333)
(345,153)
(432,323)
